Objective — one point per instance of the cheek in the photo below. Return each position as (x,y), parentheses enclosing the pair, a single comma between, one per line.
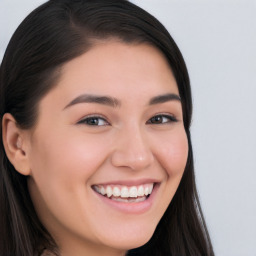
(68,157)
(64,165)
(174,152)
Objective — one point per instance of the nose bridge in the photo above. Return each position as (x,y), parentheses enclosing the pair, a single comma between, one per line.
(132,148)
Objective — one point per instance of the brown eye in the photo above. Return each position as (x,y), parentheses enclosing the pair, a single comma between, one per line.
(161,119)
(156,120)
(93,121)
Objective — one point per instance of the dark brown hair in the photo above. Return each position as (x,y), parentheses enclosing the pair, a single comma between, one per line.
(51,35)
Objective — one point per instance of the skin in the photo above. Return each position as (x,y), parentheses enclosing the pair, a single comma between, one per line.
(63,157)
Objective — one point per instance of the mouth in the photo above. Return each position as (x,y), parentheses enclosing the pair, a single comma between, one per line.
(125,194)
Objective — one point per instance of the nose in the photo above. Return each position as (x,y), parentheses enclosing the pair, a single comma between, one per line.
(132,150)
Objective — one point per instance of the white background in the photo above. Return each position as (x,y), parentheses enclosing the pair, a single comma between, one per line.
(218,41)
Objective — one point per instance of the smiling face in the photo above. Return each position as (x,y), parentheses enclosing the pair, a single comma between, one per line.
(109,133)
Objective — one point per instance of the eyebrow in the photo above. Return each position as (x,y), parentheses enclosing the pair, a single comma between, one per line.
(164,98)
(88,98)
(113,102)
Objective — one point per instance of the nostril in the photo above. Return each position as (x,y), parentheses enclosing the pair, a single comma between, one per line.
(132,151)
(134,161)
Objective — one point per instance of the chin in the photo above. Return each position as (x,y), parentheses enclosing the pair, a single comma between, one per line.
(129,240)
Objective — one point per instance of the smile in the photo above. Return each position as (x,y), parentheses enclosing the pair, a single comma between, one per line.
(128,194)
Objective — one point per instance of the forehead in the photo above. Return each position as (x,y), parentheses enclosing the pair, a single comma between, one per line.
(117,69)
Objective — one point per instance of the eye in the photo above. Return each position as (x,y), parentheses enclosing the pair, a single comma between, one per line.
(162,119)
(94,121)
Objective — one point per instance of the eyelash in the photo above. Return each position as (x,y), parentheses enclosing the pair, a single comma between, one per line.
(95,120)
(170,118)
(91,118)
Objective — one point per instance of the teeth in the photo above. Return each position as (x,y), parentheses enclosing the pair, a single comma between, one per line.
(109,191)
(150,190)
(102,191)
(146,191)
(116,192)
(126,200)
(141,191)
(124,191)
(97,189)
(133,192)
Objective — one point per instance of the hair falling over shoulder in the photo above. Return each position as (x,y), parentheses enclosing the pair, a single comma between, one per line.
(53,34)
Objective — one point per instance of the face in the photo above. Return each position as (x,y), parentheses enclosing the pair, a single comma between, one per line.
(109,149)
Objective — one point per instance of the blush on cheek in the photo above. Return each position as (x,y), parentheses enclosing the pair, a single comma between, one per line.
(175,157)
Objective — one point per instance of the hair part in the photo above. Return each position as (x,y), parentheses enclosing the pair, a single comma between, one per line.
(53,34)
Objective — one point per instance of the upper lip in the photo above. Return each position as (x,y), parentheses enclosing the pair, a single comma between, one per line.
(129,182)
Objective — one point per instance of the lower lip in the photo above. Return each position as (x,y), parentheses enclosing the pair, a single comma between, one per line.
(133,207)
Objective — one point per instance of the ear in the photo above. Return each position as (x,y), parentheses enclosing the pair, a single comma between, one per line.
(15,143)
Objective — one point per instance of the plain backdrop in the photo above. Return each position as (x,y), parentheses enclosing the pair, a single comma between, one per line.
(218,41)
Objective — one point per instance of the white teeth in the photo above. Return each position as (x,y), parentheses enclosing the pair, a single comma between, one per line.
(141,191)
(116,192)
(98,189)
(124,191)
(146,191)
(133,192)
(102,191)
(109,191)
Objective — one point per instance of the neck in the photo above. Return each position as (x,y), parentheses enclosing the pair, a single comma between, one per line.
(84,248)
(91,251)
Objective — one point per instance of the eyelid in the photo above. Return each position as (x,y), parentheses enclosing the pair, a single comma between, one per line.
(98,116)
(172,118)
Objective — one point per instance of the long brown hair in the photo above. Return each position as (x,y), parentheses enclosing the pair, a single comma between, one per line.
(51,35)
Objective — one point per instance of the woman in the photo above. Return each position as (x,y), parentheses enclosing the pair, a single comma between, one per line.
(96,156)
